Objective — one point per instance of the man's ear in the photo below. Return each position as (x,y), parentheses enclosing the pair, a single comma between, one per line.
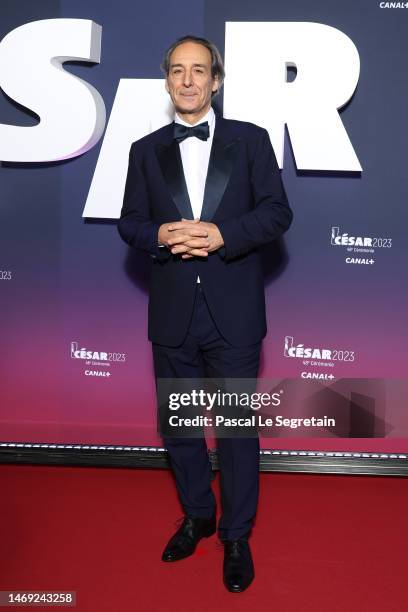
(216,84)
(166,86)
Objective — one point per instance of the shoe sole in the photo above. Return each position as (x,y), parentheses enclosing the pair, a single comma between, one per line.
(238,589)
(205,535)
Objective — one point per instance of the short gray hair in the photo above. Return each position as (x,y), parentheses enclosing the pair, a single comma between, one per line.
(217,66)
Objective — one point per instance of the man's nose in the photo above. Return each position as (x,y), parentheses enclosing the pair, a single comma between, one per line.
(188,78)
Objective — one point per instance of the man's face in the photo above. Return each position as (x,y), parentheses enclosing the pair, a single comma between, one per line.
(189,81)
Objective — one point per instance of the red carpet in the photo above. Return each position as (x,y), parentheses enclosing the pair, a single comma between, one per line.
(321,543)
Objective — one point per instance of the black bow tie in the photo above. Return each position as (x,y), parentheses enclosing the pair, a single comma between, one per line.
(201,131)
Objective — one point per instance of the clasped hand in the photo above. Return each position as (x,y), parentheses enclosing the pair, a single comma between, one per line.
(190,238)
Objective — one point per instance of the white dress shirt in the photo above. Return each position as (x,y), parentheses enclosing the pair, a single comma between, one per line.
(195,155)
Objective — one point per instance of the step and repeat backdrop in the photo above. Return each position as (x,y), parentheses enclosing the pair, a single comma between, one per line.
(80,81)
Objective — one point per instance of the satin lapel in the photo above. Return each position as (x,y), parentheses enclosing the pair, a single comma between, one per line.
(220,166)
(172,168)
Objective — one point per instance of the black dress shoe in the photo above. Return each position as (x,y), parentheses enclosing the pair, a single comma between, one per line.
(187,536)
(238,565)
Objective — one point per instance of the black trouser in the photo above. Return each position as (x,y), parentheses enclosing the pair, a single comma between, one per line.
(204,353)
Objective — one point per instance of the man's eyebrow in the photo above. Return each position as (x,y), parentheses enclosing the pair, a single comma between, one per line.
(200,65)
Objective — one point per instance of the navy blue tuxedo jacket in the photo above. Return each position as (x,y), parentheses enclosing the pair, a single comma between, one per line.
(244,196)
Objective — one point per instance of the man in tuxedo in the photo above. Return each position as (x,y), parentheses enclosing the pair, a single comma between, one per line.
(202,195)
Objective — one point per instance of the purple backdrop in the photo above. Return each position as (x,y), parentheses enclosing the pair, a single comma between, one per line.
(74,281)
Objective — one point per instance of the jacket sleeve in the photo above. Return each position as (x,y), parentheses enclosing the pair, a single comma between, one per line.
(135,225)
(271,215)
